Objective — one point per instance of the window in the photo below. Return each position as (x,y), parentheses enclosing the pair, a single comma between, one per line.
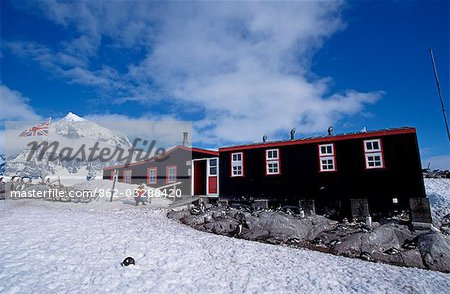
(374,160)
(326,149)
(152,175)
(327,158)
(327,164)
(112,175)
(127,176)
(171,174)
(237,164)
(372,145)
(373,154)
(272,162)
(213,167)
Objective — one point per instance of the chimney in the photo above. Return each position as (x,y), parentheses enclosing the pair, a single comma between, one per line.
(185,139)
(292,134)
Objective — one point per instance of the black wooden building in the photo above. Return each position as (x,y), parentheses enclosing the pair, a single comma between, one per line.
(381,166)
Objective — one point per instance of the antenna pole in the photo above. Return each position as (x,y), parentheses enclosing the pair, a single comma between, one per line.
(439,91)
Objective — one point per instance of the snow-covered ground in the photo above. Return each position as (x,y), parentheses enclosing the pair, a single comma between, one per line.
(73,247)
(438,192)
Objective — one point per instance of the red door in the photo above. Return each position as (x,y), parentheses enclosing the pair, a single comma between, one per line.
(200,177)
(213,165)
(212,185)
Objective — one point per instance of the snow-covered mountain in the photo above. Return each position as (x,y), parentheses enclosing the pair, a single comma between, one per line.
(72,117)
(71,131)
(74,127)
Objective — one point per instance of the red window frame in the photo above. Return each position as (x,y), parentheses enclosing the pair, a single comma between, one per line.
(167,174)
(271,160)
(148,175)
(124,175)
(379,151)
(242,164)
(323,156)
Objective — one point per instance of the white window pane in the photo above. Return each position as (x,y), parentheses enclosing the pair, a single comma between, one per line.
(327,164)
(376,146)
(326,149)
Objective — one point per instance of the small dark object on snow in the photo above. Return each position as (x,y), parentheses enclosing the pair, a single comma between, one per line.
(127,261)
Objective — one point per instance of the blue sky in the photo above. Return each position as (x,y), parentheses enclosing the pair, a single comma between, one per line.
(237,70)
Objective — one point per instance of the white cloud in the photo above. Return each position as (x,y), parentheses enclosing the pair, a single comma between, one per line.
(15,106)
(165,130)
(245,66)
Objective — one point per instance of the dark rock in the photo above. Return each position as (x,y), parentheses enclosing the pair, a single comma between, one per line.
(193,220)
(284,227)
(380,239)
(222,227)
(177,215)
(435,251)
(412,258)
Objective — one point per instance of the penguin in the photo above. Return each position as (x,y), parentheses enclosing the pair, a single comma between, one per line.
(238,230)
(202,206)
(128,261)
(410,244)
(366,256)
(335,242)
(392,251)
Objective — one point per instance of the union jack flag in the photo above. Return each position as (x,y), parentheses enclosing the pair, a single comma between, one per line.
(40,129)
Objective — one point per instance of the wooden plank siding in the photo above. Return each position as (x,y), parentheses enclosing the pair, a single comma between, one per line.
(300,176)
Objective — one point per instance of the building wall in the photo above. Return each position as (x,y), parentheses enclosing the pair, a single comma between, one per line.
(301,178)
(180,157)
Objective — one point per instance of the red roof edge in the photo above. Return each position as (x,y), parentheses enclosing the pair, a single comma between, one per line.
(379,133)
(193,149)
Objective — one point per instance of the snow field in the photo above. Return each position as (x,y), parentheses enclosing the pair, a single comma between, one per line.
(438,192)
(66,247)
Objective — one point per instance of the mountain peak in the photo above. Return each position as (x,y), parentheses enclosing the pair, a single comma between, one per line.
(72,117)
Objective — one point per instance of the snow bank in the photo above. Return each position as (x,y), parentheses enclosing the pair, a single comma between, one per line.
(438,192)
(124,193)
(63,247)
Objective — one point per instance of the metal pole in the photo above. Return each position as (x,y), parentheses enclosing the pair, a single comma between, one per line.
(440,94)
(114,184)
